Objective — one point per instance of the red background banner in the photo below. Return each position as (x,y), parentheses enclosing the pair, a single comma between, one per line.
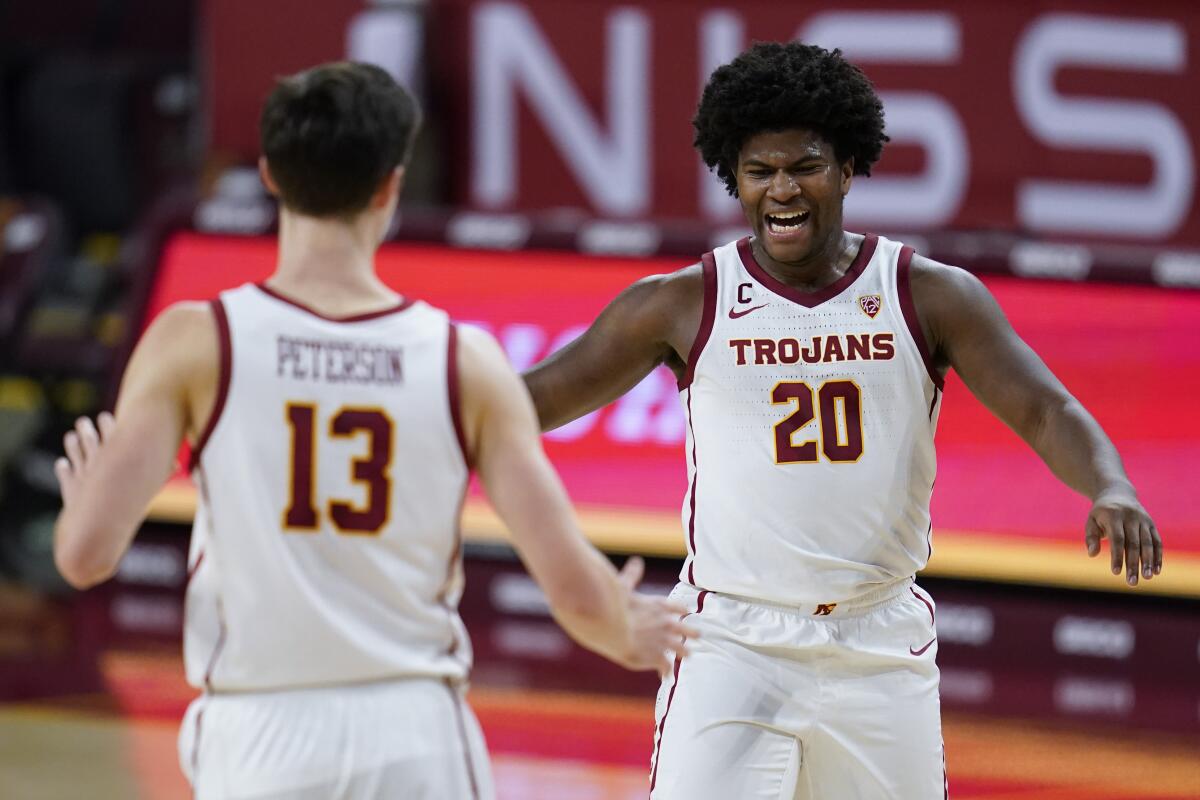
(1073,118)
(1131,355)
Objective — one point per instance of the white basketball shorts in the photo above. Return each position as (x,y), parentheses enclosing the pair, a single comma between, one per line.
(836,702)
(413,738)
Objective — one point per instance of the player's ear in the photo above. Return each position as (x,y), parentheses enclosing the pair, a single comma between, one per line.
(847,174)
(264,172)
(389,188)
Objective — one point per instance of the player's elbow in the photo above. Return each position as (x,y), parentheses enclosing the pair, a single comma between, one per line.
(82,566)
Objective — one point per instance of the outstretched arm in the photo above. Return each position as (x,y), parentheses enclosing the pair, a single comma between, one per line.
(968,331)
(594,604)
(106,490)
(652,322)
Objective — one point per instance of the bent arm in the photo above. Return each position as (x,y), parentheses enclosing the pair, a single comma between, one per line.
(971,334)
(106,497)
(646,325)
(585,593)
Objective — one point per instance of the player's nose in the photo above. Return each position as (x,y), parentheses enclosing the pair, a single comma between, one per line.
(783,187)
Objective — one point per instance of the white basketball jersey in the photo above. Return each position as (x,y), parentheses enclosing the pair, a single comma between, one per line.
(810,431)
(325,548)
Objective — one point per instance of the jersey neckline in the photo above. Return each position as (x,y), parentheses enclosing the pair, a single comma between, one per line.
(809,299)
(383,312)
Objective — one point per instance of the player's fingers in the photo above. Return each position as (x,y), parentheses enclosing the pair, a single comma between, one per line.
(686,631)
(73,449)
(1158,549)
(632,571)
(1091,536)
(89,437)
(106,422)
(1146,543)
(62,471)
(1132,550)
(1116,544)
(679,648)
(675,608)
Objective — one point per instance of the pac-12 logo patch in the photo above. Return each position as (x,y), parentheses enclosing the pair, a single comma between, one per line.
(870,304)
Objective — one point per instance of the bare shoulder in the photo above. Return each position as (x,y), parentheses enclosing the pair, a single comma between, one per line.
(667,291)
(660,310)
(937,281)
(184,335)
(953,305)
(478,350)
(942,291)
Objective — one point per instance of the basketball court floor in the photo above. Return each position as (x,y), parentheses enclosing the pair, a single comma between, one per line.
(119,744)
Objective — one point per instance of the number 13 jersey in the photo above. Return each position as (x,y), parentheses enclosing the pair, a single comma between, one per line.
(810,431)
(325,548)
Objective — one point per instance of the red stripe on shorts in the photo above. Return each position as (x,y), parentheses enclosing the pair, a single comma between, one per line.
(662,724)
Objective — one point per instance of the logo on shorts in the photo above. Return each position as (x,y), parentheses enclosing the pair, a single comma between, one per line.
(824,609)
(870,304)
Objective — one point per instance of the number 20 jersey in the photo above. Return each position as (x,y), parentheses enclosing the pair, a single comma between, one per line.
(811,419)
(325,548)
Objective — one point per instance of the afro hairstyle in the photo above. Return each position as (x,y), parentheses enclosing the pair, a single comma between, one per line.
(775,86)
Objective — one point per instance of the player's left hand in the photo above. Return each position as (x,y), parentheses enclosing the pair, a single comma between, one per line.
(82,443)
(1131,534)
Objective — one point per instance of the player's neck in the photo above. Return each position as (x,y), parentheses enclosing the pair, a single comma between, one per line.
(817,271)
(330,264)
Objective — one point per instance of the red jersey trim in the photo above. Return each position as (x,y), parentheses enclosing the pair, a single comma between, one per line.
(453,393)
(225,374)
(909,309)
(691,560)
(401,306)
(809,299)
(708,267)
(670,697)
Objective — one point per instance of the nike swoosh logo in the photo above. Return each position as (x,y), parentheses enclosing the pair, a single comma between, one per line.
(923,649)
(734,313)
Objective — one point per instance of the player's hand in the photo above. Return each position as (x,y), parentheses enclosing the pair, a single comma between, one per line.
(1132,536)
(81,444)
(656,631)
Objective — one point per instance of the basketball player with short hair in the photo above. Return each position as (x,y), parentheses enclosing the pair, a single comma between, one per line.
(333,424)
(810,363)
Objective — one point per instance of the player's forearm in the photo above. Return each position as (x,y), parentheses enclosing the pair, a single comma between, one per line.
(581,586)
(1078,451)
(88,547)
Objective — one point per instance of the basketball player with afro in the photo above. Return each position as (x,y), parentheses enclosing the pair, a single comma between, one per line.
(810,362)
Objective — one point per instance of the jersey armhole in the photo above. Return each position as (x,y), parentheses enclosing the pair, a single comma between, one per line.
(909,309)
(708,268)
(453,393)
(225,350)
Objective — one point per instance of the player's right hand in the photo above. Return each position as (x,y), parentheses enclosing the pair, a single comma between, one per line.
(81,445)
(656,632)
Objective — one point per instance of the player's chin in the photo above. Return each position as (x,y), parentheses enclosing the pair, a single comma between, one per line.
(789,249)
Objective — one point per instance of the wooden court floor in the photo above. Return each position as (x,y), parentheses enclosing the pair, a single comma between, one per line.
(554,746)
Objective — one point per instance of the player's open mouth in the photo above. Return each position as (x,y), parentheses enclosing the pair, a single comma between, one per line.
(782,223)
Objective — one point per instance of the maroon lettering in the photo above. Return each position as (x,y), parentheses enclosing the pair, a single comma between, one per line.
(764,351)
(789,351)
(814,355)
(786,452)
(742,287)
(301,512)
(741,345)
(858,347)
(882,344)
(371,470)
(831,442)
(833,349)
